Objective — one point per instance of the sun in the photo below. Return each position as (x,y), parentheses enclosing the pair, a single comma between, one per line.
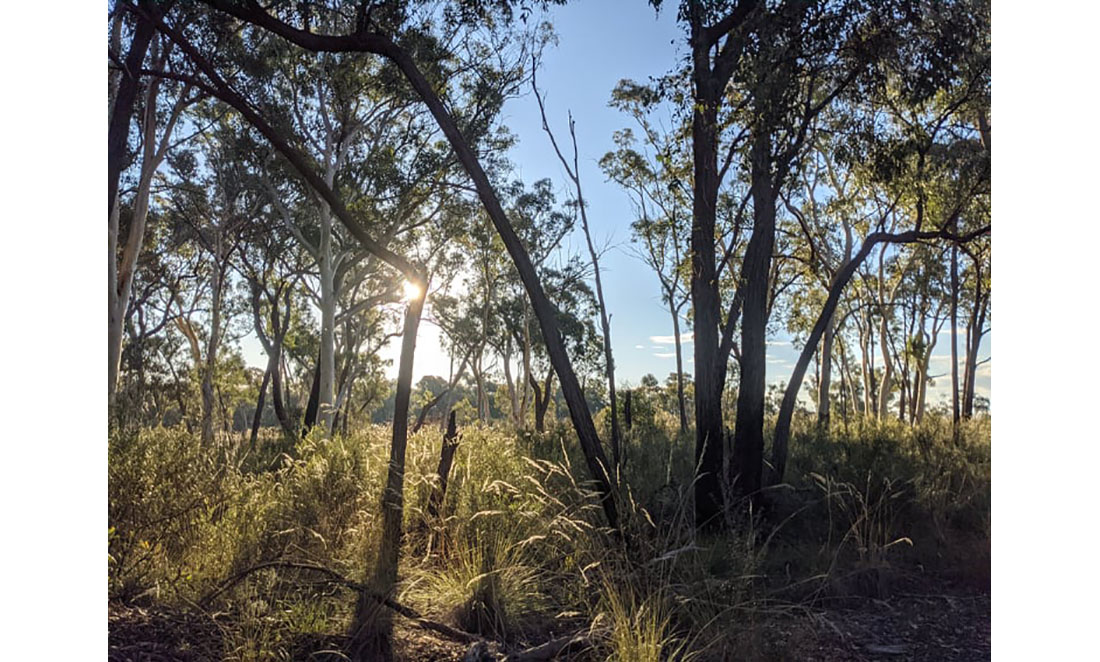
(412,291)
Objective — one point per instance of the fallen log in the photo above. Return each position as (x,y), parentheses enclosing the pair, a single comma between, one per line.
(334,577)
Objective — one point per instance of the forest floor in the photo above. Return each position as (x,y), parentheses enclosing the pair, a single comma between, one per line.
(935,619)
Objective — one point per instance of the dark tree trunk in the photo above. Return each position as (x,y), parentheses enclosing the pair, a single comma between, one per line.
(118,128)
(826,378)
(314,398)
(446,458)
(542,399)
(748,434)
(627,414)
(423,415)
(976,332)
(372,631)
(277,397)
(954,341)
(709,442)
(259,408)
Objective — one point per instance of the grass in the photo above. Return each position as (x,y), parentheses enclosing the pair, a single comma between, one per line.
(519,551)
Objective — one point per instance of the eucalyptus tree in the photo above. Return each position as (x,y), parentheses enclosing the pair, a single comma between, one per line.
(215,198)
(653,172)
(412,42)
(979,280)
(160,105)
(924,157)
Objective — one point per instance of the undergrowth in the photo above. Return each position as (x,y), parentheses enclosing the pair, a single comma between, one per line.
(519,552)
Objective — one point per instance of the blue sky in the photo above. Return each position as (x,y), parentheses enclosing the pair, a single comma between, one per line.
(596,49)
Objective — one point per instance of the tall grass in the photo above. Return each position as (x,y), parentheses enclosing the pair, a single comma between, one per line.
(519,551)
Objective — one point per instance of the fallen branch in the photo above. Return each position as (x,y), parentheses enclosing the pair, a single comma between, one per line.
(553,648)
(336,578)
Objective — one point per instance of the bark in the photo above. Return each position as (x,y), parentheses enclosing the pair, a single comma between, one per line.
(826,377)
(709,442)
(709,82)
(954,341)
(446,459)
(212,350)
(327,363)
(786,408)
(627,414)
(371,632)
(258,416)
(314,398)
(542,399)
(118,127)
(748,441)
(679,368)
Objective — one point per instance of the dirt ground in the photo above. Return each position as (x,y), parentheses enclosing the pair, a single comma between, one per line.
(930,620)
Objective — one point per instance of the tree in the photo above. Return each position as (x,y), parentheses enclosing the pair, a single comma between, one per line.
(661,204)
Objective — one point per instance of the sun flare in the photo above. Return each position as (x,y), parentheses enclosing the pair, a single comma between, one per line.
(412,291)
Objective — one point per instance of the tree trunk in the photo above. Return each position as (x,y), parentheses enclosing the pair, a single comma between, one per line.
(826,377)
(212,349)
(121,268)
(679,368)
(627,414)
(709,441)
(746,464)
(954,341)
(446,458)
(372,630)
(258,416)
(314,397)
(542,400)
(977,326)
(327,363)
(118,128)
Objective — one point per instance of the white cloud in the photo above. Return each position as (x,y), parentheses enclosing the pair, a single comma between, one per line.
(777,343)
(664,355)
(772,359)
(668,340)
(639,346)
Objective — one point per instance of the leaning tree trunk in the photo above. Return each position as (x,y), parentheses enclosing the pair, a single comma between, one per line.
(372,630)
(118,128)
(826,377)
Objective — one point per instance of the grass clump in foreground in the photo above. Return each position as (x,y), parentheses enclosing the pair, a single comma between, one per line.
(518,551)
